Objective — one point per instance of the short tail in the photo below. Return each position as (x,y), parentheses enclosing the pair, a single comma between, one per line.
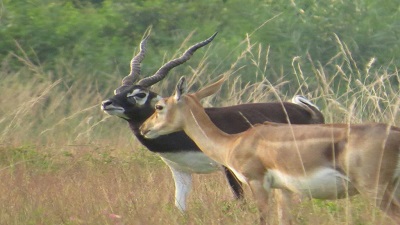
(314,111)
(303,101)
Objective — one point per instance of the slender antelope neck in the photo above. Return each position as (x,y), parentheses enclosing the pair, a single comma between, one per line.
(207,136)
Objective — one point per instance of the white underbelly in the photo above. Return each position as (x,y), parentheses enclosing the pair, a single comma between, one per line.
(325,183)
(191,162)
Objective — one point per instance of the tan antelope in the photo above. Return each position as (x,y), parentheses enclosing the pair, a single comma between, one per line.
(134,102)
(323,161)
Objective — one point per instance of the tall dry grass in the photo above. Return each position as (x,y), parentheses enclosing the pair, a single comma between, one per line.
(63,161)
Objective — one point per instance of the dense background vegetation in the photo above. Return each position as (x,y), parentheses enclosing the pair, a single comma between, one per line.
(63,161)
(98,37)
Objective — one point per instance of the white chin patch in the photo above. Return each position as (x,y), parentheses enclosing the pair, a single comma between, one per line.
(151,135)
(115,111)
(112,110)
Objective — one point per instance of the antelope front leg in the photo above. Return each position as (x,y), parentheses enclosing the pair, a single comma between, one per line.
(261,196)
(183,185)
(235,184)
(282,198)
(390,202)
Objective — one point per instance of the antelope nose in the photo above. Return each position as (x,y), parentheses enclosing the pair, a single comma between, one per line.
(143,131)
(105,103)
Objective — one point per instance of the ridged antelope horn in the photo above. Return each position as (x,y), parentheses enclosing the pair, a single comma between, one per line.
(163,71)
(133,76)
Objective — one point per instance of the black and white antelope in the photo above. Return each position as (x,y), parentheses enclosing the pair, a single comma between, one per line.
(324,161)
(134,102)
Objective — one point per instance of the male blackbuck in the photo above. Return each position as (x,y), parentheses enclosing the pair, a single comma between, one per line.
(134,102)
(324,161)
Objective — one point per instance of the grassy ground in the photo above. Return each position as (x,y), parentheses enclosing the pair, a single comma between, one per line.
(92,187)
(63,161)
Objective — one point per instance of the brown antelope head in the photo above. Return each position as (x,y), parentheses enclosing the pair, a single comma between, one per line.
(170,112)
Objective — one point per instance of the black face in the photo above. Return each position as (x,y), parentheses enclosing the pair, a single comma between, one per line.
(134,103)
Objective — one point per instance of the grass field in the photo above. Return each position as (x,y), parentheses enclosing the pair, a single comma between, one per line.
(63,161)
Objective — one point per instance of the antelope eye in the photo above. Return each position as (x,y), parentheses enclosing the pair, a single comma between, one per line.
(140,95)
(159,107)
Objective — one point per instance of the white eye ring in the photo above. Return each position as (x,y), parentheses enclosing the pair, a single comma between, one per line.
(140,95)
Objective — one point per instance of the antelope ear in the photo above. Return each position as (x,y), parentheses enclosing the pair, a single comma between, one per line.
(180,88)
(210,89)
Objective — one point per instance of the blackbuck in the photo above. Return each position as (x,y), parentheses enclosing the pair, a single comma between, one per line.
(134,102)
(323,161)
